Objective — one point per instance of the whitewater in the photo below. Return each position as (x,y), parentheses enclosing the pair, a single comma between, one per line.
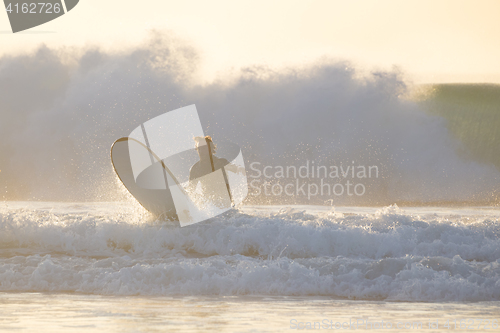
(77,252)
(391,254)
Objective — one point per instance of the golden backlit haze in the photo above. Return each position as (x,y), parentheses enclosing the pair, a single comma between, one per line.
(432,41)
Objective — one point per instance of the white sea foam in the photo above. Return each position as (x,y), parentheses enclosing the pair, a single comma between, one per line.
(388,254)
(58,140)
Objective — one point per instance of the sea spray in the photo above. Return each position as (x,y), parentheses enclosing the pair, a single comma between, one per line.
(389,254)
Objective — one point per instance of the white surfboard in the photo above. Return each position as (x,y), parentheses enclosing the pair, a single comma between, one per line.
(154,163)
(156,198)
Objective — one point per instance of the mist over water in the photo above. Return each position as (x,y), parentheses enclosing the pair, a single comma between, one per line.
(61,109)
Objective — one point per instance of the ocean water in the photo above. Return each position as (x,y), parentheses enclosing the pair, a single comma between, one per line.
(438,148)
(472,113)
(110,266)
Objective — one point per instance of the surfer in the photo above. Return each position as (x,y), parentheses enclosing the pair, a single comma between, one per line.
(208,163)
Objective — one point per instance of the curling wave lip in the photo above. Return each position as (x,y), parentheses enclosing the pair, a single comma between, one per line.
(26,14)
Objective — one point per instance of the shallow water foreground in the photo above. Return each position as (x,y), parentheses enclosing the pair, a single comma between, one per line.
(45,312)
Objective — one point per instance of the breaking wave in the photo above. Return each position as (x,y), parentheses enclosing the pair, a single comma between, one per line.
(389,254)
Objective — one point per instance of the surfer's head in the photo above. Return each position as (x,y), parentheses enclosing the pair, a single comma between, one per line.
(202,144)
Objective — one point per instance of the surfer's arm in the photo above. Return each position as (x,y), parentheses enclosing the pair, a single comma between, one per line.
(233,167)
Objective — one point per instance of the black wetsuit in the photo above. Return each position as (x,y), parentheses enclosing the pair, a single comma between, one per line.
(218,195)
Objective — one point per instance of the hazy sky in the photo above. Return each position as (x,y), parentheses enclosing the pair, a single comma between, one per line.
(434,41)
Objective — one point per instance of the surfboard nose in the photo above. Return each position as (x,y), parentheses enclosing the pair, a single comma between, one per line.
(26,14)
